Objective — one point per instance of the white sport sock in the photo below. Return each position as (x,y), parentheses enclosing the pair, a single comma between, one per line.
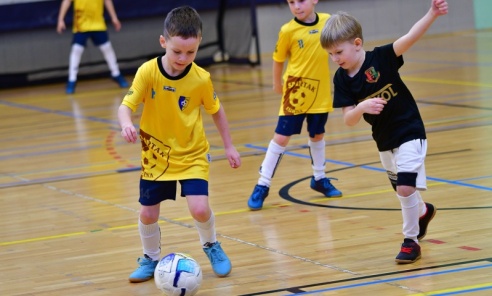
(151,239)
(74,61)
(206,230)
(410,212)
(272,159)
(317,152)
(110,57)
(422,206)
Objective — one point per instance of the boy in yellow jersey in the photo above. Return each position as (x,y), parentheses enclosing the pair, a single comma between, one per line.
(88,22)
(306,95)
(172,89)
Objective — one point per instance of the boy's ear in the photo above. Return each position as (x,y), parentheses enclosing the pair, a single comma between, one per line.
(358,42)
(162,41)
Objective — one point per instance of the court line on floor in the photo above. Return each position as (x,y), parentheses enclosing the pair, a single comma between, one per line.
(382,281)
(458,290)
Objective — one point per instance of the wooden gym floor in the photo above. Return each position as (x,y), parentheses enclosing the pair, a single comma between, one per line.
(69,185)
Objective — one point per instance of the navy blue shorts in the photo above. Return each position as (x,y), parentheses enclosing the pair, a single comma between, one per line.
(97,37)
(289,125)
(153,192)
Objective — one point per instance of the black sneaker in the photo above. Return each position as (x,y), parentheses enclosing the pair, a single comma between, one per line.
(409,253)
(425,219)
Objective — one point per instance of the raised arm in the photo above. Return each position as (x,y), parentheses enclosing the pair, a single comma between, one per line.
(222,125)
(438,8)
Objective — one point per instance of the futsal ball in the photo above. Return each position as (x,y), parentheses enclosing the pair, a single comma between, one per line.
(178,274)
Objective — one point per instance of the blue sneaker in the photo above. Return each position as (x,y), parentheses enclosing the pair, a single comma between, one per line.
(120,80)
(145,271)
(70,88)
(256,199)
(324,186)
(221,264)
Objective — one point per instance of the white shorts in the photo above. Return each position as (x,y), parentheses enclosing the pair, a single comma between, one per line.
(408,158)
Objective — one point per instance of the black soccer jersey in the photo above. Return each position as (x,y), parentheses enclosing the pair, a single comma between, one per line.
(400,120)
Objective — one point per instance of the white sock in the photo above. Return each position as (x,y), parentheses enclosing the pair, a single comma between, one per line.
(270,163)
(206,230)
(317,152)
(74,61)
(151,239)
(410,212)
(422,206)
(110,57)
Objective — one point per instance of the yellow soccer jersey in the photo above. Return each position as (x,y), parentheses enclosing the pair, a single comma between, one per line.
(307,80)
(88,15)
(174,146)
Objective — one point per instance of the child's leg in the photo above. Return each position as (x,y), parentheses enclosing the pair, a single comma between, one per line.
(410,213)
(74,61)
(205,224)
(150,235)
(317,152)
(110,57)
(204,218)
(270,162)
(149,230)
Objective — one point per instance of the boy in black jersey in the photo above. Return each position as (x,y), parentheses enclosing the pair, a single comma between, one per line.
(368,85)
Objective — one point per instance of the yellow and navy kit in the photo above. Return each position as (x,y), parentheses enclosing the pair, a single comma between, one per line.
(88,16)
(307,80)
(174,146)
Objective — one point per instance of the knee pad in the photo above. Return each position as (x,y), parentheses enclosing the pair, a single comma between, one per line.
(407,179)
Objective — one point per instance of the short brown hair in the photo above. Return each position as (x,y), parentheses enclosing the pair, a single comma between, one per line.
(183,21)
(340,27)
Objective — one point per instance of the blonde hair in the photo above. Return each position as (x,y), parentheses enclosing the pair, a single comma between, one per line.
(340,27)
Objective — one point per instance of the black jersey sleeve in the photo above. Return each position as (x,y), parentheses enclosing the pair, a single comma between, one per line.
(342,95)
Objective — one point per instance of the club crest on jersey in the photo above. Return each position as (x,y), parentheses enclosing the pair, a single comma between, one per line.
(372,75)
(183,102)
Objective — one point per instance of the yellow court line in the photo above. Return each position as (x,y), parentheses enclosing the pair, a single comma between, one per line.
(243,210)
(460,289)
(451,82)
(42,238)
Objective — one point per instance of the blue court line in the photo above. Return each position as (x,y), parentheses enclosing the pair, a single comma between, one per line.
(348,164)
(396,279)
(57,112)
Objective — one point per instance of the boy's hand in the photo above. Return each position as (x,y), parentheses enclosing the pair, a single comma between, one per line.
(233,157)
(372,106)
(129,133)
(116,24)
(439,7)
(60,27)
